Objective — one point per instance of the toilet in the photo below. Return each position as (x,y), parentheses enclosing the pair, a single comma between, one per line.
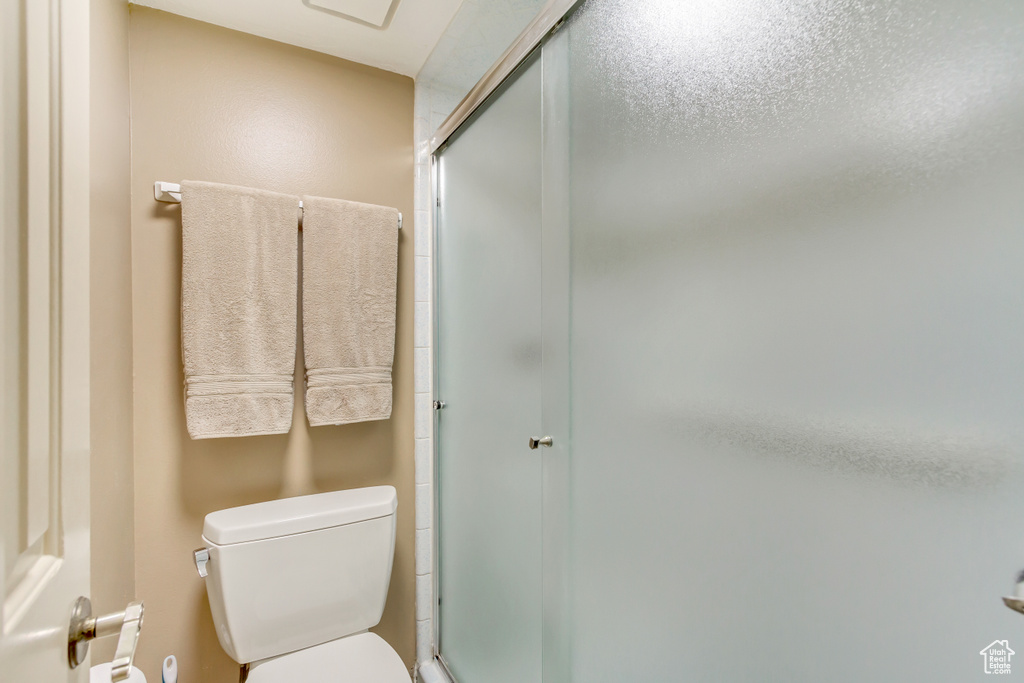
(295,584)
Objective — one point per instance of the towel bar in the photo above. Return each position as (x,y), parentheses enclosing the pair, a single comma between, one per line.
(171,193)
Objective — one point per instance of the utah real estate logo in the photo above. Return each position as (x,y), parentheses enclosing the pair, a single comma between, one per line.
(997,657)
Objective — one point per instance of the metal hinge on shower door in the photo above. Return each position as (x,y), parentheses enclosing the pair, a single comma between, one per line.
(439,405)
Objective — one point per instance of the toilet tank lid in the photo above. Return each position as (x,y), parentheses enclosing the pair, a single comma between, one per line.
(298,515)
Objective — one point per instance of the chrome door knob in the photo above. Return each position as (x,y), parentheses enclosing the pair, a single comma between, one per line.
(541,441)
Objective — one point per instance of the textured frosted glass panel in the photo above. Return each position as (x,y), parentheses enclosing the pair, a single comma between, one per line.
(797,338)
(489,257)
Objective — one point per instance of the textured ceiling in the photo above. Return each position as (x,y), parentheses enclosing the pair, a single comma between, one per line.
(402,46)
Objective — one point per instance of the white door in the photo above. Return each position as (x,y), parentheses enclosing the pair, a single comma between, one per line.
(44,313)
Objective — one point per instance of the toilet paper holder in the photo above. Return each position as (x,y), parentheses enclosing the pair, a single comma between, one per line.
(85,627)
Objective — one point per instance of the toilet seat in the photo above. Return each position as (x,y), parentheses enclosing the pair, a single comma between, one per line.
(362,658)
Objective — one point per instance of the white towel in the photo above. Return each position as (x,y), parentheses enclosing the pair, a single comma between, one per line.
(349,286)
(238,309)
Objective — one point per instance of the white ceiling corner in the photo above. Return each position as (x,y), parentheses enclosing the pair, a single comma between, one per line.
(402,45)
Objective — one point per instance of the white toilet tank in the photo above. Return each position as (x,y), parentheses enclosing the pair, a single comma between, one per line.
(292,573)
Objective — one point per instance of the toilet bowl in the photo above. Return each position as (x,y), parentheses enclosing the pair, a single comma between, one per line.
(362,658)
(295,584)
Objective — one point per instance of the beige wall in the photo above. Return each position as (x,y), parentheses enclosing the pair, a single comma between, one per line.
(113,551)
(212,104)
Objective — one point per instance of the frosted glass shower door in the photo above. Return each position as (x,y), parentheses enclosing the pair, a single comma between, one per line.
(797,339)
(490,378)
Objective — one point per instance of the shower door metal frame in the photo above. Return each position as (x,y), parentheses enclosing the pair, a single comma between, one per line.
(546,23)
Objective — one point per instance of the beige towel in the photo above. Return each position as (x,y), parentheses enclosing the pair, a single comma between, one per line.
(238,309)
(349,276)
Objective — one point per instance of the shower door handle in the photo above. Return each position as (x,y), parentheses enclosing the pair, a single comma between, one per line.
(541,441)
(1016,601)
